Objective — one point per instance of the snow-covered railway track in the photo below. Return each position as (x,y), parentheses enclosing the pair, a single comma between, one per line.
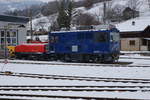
(71,86)
(60,96)
(119,64)
(78,89)
(135,58)
(78,78)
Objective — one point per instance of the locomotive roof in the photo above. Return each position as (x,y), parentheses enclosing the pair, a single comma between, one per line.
(34,44)
(102,30)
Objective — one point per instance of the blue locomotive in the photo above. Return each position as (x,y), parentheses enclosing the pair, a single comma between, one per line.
(85,46)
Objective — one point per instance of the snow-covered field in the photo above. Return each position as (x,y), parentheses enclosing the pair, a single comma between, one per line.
(84,71)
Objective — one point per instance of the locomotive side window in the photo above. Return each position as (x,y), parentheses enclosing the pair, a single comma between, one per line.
(82,36)
(100,37)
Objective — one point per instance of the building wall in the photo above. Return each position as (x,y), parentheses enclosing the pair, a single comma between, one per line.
(130,44)
(145,44)
(21,33)
(144,48)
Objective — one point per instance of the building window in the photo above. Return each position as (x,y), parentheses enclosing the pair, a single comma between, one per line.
(132,42)
(144,42)
(8,34)
(11,38)
(2,33)
(13,34)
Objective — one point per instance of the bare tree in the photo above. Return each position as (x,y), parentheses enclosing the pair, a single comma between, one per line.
(109,11)
(86,20)
(88,3)
(75,15)
(134,5)
(149,4)
(97,16)
(113,13)
(53,22)
(118,12)
(40,24)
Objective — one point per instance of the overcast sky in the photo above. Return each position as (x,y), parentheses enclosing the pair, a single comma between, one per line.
(47,0)
(22,0)
(54,0)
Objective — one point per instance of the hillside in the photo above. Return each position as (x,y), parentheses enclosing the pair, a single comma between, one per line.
(96,10)
(11,5)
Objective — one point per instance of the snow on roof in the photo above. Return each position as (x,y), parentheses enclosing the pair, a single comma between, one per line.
(43,38)
(140,24)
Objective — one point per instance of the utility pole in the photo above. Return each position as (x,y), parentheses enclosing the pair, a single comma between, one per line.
(31,30)
(5,43)
(104,10)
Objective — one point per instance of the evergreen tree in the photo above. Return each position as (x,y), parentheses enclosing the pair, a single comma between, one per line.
(70,8)
(65,14)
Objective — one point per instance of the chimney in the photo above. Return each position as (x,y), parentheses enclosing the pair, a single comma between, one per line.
(133,23)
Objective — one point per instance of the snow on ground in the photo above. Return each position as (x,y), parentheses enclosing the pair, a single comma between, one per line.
(10,80)
(99,71)
(30,98)
(75,70)
(94,71)
(87,71)
(136,58)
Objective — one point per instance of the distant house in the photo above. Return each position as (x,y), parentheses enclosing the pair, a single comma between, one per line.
(12,31)
(135,34)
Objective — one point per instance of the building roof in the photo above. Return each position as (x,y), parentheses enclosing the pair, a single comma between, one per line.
(6,18)
(140,24)
(134,34)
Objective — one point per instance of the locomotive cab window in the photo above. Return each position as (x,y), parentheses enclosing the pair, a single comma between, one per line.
(100,37)
(53,39)
(114,37)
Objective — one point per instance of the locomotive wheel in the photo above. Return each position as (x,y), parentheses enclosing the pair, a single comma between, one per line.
(67,58)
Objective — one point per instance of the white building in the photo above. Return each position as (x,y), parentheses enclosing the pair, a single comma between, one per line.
(13,30)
